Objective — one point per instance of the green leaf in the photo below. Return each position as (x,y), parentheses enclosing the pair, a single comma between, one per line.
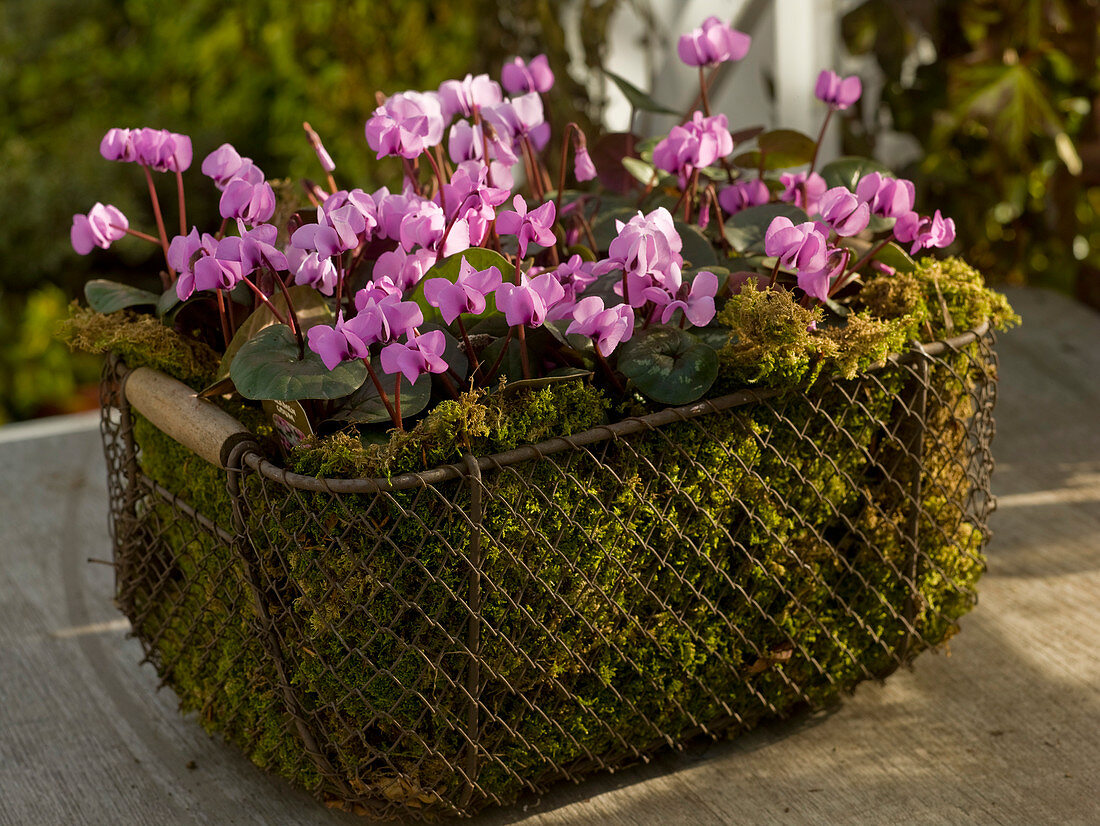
(781,148)
(167,302)
(110,296)
(894,256)
(847,171)
(638,99)
(449,268)
(698,250)
(366,405)
(268,366)
(746,229)
(669,365)
(645,173)
(312,309)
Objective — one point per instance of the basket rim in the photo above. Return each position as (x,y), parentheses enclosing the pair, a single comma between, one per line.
(248,453)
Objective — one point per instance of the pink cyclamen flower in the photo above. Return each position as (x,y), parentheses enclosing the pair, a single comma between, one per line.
(421,354)
(693,145)
(838,92)
(405,269)
(887,197)
(317,271)
(799,247)
(925,232)
(608,328)
(118,145)
(583,168)
(520,78)
(182,254)
(802,190)
(536,225)
(744,194)
(406,124)
(529,301)
(647,249)
(465,295)
(103,225)
(225,164)
(713,42)
(337,344)
(251,203)
(507,123)
(463,97)
(817,282)
(695,299)
(162,150)
(843,211)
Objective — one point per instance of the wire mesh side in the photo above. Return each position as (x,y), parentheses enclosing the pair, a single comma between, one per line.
(455,644)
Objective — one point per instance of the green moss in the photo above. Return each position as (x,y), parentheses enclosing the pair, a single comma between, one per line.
(142,341)
(732,568)
(776,342)
(479,422)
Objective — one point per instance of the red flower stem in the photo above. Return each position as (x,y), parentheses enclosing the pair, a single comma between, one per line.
(381,391)
(845,277)
(703,92)
(438,179)
(142,235)
(871,253)
(292,314)
(607,369)
(221,229)
(397,401)
(564,160)
(225,321)
(182,202)
(775,274)
(500,358)
(817,146)
(160,218)
(470,355)
(264,299)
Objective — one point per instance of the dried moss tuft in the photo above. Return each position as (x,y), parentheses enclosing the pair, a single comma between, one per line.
(770,339)
(142,341)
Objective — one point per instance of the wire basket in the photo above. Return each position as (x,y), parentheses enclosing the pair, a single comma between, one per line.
(440,641)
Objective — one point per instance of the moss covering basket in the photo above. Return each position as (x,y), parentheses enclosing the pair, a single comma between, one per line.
(437,641)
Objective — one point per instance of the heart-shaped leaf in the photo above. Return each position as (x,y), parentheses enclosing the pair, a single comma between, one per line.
(698,250)
(268,366)
(847,171)
(636,97)
(669,365)
(645,173)
(746,229)
(449,268)
(312,309)
(785,147)
(366,405)
(110,296)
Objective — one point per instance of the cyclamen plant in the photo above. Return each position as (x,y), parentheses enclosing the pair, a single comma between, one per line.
(366,306)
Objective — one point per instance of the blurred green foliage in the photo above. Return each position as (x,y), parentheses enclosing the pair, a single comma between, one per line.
(38,374)
(1002,95)
(248,73)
